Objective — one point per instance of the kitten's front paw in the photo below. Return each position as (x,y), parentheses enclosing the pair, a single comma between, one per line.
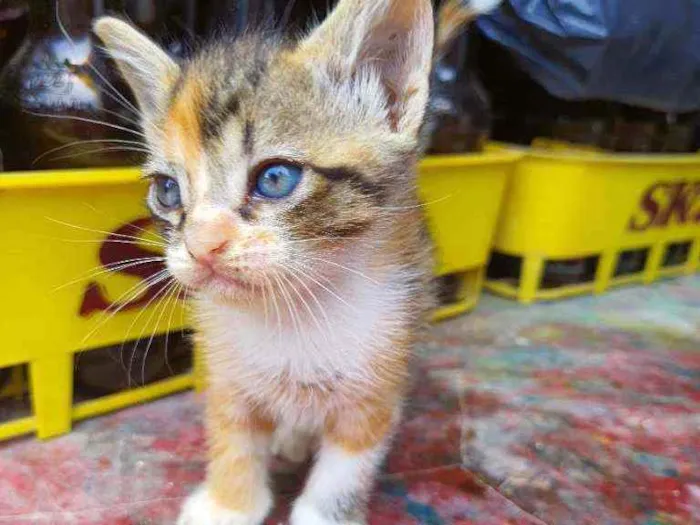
(305,513)
(201,509)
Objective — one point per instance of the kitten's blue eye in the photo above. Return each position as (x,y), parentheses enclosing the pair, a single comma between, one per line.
(278,181)
(167,192)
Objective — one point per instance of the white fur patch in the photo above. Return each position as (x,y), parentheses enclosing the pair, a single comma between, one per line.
(352,324)
(201,509)
(483,6)
(337,479)
(305,514)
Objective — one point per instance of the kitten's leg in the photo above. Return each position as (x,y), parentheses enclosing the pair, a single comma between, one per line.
(236,490)
(353,448)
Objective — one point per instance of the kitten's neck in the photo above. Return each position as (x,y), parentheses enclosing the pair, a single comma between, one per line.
(337,328)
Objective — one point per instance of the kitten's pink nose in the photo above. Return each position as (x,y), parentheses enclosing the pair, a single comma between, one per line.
(209,234)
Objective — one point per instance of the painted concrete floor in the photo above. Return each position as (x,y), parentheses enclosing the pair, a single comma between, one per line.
(579,412)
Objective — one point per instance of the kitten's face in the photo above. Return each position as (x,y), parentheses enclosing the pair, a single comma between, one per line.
(268,170)
(271,162)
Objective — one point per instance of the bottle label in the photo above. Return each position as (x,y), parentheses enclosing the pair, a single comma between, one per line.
(57,78)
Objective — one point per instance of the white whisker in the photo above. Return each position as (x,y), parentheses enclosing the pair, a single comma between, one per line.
(160,293)
(417,206)
(111,268)
(313,316)
(87,120)
(290,306)
(312,279)
(167,299)
(64,32)
(176,297)
(276,307)
(81,142)
(91,230)
(133,292)
(337,265)
(100,150)
(115,241)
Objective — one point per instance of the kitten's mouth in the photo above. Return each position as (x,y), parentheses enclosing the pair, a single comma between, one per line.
(224,280)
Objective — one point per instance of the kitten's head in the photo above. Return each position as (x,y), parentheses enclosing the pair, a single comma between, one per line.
(267,154)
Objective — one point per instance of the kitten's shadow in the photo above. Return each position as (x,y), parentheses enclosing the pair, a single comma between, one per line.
(287,483)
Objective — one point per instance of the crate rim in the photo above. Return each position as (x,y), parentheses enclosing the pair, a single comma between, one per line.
(494,154)
(574,157)
(129,174)
(69,178)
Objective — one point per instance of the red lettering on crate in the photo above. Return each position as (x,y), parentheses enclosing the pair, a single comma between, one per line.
(118,253)
(667,202)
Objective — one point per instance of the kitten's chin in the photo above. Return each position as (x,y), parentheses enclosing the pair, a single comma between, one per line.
(216,285)
(225,286)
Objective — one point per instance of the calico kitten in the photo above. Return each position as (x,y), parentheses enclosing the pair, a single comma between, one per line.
(285,175)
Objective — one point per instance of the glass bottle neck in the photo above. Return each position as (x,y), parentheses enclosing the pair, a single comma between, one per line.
(144,13)
(76,16)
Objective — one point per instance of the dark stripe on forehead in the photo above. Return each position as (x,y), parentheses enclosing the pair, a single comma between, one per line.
(215,114)
(354,178)
(257,70)
(248,138)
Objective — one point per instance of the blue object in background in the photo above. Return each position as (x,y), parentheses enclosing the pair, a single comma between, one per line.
(639,52)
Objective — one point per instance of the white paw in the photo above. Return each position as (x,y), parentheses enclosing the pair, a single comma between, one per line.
(201,509)
(305,513)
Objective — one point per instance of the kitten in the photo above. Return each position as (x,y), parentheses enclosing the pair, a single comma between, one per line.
(284,174)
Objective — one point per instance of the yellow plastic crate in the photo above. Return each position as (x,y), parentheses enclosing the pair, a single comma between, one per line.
(58,300)
(606,208)
(463,195)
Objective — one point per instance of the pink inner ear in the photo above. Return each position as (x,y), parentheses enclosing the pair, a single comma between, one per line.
(395,46)
(393,38)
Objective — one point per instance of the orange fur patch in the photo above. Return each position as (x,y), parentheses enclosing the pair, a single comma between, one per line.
(237,459)
(357,433)
(183,123)
(370,418)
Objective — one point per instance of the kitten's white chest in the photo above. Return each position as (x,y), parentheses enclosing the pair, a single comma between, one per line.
(292,364)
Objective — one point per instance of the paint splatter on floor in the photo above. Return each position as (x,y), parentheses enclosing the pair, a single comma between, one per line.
(580,412)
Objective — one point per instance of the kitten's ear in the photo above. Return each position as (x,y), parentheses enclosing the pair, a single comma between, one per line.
(391,38)
(148,70)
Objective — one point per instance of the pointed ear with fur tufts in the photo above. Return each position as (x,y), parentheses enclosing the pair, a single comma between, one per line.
(148,70)
(392,39)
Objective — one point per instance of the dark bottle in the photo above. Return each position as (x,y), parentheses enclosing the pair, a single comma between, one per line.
(171,23)
(631,262)
(14,17)
(634,130)
(112,369)
(581,123)
(300,15)
(676,133)
(234,17)
(218,17)
(634,136)
(54,103)
(459,113)
(569,272)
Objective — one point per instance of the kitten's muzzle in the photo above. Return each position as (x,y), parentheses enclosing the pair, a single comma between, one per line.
(209,234)
(209,255)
